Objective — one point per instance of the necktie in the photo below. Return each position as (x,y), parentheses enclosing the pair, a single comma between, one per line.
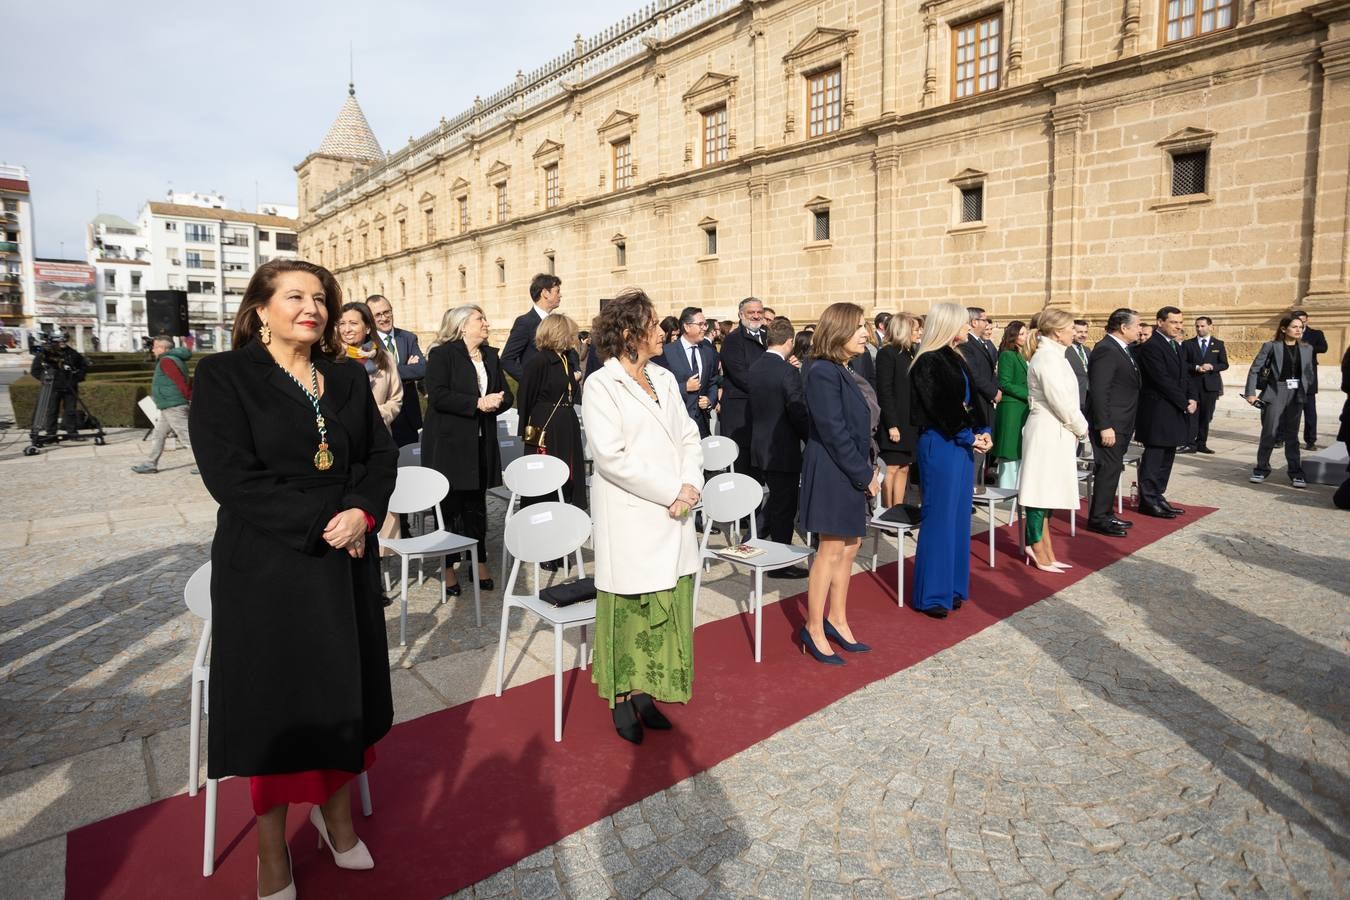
(389,342)
(693,360)
(1204,348)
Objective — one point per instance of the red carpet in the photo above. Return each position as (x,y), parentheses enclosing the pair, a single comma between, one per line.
(463,793)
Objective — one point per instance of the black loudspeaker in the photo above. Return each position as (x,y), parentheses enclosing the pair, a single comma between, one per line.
(166,312)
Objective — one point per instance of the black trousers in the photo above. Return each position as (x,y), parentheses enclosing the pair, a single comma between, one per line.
(467,512)
(64,402)
(1204,413)
(780,511)
(1309,419)
(1107,465)
(1155,470)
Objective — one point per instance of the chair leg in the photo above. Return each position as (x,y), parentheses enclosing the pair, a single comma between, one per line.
(900,567)
(445,576)
(194,735)
(991,534)
(585,652)
(209,831)
(1073,523)
(363,785)
(759,612)
(477,595)
(403,605)
(501,646)
(876,547)
(557,682)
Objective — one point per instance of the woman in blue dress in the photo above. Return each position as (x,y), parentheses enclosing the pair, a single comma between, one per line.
(951,430)
(838,475)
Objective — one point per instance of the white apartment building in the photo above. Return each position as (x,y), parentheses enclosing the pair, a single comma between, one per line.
(201,247)
(18,289)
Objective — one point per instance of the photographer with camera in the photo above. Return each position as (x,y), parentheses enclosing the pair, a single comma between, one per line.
(171,394)
(54,358)
(1277,384)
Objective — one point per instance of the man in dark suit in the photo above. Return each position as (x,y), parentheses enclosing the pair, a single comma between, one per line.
(1165,406)
(1205,357)
(740,349)
(1113,400)
(693,361)
(546,294)
(778,427)
(412,368)
(1314,338)
(981,357)
(1077,355)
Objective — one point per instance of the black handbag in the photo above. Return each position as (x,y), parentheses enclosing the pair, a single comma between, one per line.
(1266,377)
(578,591)
(902,514)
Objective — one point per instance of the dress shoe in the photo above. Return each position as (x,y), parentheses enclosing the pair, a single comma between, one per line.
(1031,560)
(1108,528)
(793,572)
(1174,510)
(1187,448)
(626,723)
(1122,523)
(1204,450)
(646,709)
(932,612)
(809,646)
(358,857)
(956,602)
(832,633)
(551,565)
(1156,512)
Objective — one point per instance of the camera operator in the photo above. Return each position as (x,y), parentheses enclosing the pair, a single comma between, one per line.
(67,368)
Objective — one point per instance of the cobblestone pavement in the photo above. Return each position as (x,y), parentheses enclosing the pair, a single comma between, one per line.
(1173,725)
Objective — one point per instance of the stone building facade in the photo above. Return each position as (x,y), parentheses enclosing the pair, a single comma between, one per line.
(1085,154)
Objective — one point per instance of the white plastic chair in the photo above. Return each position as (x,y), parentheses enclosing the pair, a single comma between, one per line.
(538,533)
(898,530)
(533,475)
(719,453)
(993,496)
(197,595)
(727,498)
(416,489)
(512,448)
(410,455)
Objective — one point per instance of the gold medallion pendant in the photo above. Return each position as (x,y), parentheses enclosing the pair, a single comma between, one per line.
(323,459)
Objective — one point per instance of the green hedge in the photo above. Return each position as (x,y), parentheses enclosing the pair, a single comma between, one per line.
(113,403)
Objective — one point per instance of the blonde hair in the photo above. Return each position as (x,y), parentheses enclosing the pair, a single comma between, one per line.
(835,328)
(943,323)
(1044,324)
(452,323)
(900,331)
(557,332)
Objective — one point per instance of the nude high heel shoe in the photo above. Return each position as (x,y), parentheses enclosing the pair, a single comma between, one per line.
(1031,561)
(358,857)
(288,892)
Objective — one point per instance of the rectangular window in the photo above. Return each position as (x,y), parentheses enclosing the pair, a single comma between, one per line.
(286,241)
(972,203)
(710,244)
(716,142)
(976,55)
(403,234)
(551,195)
(463,279)
(365,245)
(110,311)
(194,260)
(135,281)
(263,235)
(381,240)
(551,262)
(623,164)
(1188,18)
(170,226)
(820,225)
(826,102)
(431,225)
(199,234)
(201,287)
(501,202)
(463,214)
(350,260)
(501,271)
(1188,172)
(11,206)
(110,279)
(620,255)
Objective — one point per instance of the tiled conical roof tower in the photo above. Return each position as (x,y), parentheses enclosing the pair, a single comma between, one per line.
(351,137)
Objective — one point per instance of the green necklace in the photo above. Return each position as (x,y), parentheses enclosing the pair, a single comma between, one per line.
(323,457)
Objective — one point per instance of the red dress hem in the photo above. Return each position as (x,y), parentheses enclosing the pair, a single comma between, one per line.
(311,786)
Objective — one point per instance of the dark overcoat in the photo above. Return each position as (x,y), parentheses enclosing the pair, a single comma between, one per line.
(1165,390)
(458,439)
(837,464)
(299,657)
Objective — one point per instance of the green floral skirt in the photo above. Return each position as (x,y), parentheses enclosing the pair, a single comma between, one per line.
(645,642)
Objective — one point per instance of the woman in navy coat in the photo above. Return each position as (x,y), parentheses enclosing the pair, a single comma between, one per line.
(838,474)
(951,428)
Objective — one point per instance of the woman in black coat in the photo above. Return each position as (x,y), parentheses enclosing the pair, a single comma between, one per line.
(549,392)
(896,435)
(292,447)
(466,389)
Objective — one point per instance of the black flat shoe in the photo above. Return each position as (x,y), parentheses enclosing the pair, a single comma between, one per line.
(1204,450)
(552,565)
(956,602)
(932,612)
(453,590)
(486,584)
(626,723)
(646,709)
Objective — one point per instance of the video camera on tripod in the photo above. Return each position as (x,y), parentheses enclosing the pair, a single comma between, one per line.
(60,368)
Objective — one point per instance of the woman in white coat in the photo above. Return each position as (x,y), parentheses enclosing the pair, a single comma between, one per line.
(1050,437)
(648,466)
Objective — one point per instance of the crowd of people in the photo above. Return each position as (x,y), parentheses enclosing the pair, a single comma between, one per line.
(297,433)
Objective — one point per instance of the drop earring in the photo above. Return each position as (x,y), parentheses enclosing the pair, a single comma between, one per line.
(265,334)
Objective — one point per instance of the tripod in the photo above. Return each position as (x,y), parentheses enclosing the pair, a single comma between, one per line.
(47,397)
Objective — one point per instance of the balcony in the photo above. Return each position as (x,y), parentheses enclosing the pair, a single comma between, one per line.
(9,247)
(9,277)
(201,264)
(11,307)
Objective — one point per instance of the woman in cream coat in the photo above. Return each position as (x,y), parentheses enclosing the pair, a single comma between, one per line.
(1050,436)
(648,469)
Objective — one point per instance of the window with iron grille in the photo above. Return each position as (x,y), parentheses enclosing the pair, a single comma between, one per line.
(431,224)
(620,255)
(402,234)
(972,203)
(551,192)
(110,279)
(710,245)
(463,203)
(716,139)
(1188,172)
(820,225)
(976,55)
(623,164)
(501,202)
(1188,18)
(825,90)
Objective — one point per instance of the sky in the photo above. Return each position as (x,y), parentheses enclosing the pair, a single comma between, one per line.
(110,110)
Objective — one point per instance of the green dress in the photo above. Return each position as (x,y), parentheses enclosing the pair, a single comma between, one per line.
(645,642)
(1012,410)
